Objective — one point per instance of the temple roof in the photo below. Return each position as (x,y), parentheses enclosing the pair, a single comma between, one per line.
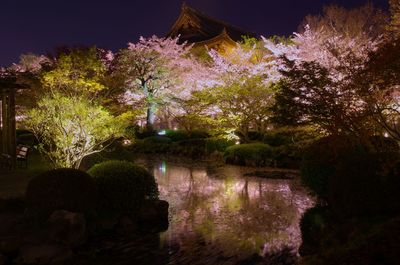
(193,26)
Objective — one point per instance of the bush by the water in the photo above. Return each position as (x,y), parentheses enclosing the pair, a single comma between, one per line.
(180,143)
(366,184)
(218,145)
(193,148)
(61,189)
(369,240)
(313,223)
(256,154)
(354,177)
(153,144)
(123,185)
(180,135)
(289,136)
(320,160)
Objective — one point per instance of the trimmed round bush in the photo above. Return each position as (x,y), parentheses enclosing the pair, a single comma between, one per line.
(312,224)
(289,156)
(249,155)
(366,184)
(151,145)
(123,186)
(61,189)
(193,148)
(289,136)
(217,145)
(321,158)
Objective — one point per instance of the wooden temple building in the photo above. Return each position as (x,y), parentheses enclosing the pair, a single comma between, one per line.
(194,27)
(8,144)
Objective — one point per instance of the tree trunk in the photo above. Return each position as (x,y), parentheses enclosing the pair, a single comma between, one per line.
(151,115)
(151,107)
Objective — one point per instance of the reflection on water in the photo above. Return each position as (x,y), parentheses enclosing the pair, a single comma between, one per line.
(220,212)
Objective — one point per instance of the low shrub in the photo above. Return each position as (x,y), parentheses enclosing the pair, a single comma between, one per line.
(181,135)
(217,145)
(193,148)
(321,158)
(366,184)
(289,156)
(312,224)
(152,145)
(176,135)
(255,154)
(354,178)
(136,132)
(61,189)
(289,136)
(27,139)
(123,186)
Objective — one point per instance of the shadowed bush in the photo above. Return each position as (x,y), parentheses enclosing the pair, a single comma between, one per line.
(123,186)
(193,148)
(366,184)
(289,136)
(151,145)
(321,158)
(217,145)
(249,155)
(61,189)
(312,225)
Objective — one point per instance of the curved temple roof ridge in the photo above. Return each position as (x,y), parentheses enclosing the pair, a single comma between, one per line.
(195,27)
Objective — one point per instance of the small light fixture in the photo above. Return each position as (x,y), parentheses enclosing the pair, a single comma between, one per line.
(126,142)
(163,132)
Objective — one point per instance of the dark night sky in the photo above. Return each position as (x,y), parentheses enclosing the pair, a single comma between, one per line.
(40,25)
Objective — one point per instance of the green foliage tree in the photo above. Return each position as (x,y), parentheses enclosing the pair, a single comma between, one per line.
(69,118)
(77,73)
(71,128)
(241,104)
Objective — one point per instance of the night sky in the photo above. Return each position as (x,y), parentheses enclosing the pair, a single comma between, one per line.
(40,25)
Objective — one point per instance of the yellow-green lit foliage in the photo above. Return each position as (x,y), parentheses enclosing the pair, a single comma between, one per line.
(78,72)
(70,128)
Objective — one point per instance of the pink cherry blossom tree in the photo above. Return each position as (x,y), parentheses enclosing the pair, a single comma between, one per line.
(319,64)
(156,70)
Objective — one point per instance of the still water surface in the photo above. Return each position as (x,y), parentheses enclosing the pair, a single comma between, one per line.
(219,213)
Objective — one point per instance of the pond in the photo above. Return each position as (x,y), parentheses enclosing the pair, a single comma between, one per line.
(219,213)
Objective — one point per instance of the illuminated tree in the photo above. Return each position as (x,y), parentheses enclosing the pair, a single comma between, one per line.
(68,118)
(241,105)
(379,85)
(318,69)
(157,69)
(71,128)
(308,94)
(241,94)
(80,72)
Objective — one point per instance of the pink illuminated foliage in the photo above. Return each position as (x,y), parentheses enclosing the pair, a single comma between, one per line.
(319,67)
(157,69)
